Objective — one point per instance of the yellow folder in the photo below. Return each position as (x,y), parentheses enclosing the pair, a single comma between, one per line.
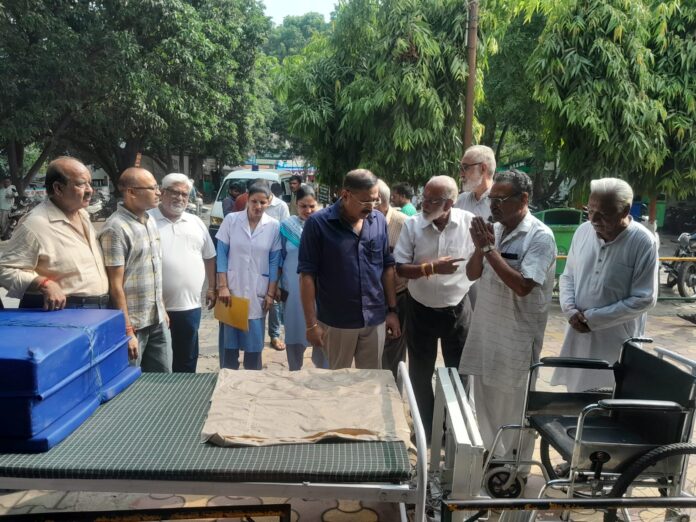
(236,314)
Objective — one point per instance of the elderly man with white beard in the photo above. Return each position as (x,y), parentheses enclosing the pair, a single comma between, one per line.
(188,259)
(432,253)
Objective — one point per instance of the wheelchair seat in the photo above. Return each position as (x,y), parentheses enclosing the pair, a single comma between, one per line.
(600,433)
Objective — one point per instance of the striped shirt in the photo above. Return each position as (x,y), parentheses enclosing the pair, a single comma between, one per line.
(135,245)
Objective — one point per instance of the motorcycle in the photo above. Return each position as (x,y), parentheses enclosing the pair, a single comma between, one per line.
(20,209)
(683,273)
(100,207)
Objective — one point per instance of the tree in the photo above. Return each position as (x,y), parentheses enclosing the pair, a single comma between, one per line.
(291,37)
(384,89)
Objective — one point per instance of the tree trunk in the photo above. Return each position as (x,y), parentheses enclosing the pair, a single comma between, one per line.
(195,168)
(652,211)
(501,140)
(489,131)
(181,161)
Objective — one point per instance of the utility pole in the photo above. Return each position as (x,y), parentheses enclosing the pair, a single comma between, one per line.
(472,41)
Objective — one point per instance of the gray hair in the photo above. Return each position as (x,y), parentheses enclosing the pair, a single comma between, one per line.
(518,179)
(448,183)
(618,189)
(384,192)
(483,154)
(175,178)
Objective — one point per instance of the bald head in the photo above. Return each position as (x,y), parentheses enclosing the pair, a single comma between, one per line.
(61,170)
(446,184)
(133,177)
(140,190)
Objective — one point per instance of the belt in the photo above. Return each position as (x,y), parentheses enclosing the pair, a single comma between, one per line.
(101,300)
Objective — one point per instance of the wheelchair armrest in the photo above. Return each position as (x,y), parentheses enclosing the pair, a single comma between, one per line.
(573,362)
(635,404)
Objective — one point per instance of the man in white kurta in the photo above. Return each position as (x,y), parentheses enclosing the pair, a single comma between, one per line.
(514,263)
(609,283)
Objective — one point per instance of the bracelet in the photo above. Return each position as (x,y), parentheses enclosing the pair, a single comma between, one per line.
(312,327)
(130,330)
(423,271)
(43,283)
(211,290)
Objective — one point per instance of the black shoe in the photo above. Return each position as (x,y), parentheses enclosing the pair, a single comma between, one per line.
(688,317)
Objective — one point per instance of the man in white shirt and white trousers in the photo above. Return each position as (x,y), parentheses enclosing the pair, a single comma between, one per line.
(609,283)
(514,264)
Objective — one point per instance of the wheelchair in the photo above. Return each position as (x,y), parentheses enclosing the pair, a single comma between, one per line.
(632,439)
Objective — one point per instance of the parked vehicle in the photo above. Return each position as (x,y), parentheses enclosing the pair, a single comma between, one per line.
(101,207)
(240,177)
(20,209)
(683,273)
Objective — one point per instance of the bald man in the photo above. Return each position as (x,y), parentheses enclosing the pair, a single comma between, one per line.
(132,254)
(53,259)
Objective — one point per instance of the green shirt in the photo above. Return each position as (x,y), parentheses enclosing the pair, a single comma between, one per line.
(409,209)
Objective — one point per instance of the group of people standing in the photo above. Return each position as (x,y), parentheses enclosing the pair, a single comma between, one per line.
(361,281)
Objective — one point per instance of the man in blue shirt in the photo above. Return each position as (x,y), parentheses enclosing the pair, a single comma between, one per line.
(347,278)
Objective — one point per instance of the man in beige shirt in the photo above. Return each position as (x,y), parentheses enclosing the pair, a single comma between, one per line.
(53,259)
(394,349)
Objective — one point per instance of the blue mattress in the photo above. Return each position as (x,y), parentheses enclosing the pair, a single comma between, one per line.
(39,350)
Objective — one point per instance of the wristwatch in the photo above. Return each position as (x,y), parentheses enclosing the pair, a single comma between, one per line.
(487,248)
(393,309)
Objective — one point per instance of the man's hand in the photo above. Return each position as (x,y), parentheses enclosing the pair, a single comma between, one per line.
(224,295)
(267,302)
(315,335)
(579,323)
(392,326)
(446,265)
(54,298)
(481,232)
(210,298)
(133,347)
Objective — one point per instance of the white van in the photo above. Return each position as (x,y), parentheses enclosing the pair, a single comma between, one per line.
(240,177)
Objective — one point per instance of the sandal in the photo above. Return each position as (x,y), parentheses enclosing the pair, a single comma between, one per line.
(277,344)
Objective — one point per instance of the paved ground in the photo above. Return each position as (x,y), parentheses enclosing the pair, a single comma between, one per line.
(663,325)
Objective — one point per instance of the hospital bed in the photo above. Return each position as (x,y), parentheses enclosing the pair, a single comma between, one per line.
(148,440)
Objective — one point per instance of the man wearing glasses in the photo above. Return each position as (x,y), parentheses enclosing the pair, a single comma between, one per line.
(476,171)
(188,259)
(53,260)
(432,253)
(347,278)
(514,264)
(133,258)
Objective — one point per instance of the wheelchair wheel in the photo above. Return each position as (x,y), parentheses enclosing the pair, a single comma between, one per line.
(556,466)
(641,464)
(495,480)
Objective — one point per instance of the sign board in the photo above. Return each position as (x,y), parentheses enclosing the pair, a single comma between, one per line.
(324,194)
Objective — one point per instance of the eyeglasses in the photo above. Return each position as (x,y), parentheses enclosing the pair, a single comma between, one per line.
(463,167)
(154,188)
(367,204)
(499,201)
(176,193)
(434,202)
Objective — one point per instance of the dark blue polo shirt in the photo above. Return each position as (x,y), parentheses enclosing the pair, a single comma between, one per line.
(348,268)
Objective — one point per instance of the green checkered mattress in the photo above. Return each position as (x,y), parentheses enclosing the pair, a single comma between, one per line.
(152,432)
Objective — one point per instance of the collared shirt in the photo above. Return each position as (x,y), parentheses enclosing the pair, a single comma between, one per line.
(478,207)
(613,284)
(185,244)
(507,330)
(395,222)
(348,268)
(421,241)
(409,209)
(46,244)
(277,209)
(134,245)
